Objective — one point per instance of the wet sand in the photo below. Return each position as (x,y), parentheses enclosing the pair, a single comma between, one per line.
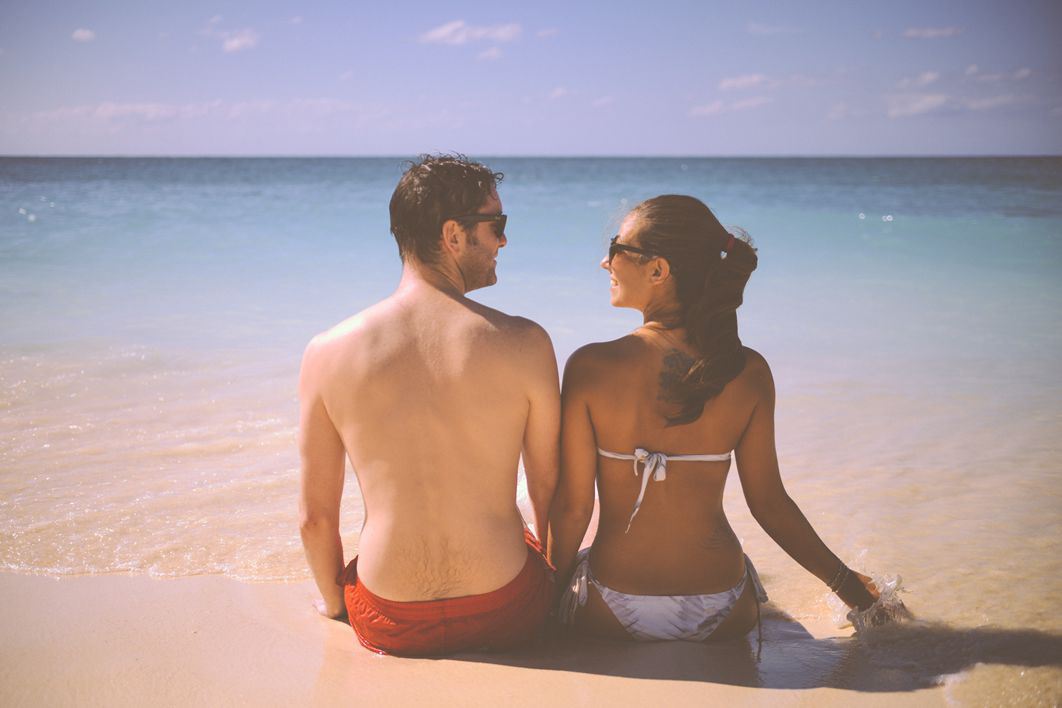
(148,391)
(125,640)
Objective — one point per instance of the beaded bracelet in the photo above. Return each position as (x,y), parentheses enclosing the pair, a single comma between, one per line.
(838,580)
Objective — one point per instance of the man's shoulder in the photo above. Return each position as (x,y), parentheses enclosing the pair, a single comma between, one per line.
(526,329)
(335,337)
(345,335)
(513,329)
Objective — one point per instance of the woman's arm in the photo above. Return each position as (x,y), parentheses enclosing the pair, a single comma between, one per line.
(776,512)
(573,504)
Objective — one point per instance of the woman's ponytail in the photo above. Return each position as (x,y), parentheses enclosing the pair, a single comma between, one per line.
(711,267)
(711,326)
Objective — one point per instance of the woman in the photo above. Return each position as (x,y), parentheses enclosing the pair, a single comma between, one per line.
(672,400)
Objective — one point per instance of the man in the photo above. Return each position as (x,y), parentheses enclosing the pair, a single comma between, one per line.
(433,397)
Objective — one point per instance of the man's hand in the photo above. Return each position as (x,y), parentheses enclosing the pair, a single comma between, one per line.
(324,611)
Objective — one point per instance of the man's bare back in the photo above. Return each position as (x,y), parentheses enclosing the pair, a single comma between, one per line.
(433,397)
(430,395)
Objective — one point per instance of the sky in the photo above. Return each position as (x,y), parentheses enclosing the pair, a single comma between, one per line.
(908,77)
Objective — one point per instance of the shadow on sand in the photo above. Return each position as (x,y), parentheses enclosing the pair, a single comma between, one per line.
(901,657)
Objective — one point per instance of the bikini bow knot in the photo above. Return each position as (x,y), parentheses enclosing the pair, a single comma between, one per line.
(654,465)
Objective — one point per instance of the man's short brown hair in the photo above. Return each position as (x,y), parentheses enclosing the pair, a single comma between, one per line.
(434,189)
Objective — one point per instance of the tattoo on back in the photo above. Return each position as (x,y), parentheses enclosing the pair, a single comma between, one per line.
(674,368)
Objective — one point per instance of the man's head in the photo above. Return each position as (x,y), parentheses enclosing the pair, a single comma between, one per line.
(440,198)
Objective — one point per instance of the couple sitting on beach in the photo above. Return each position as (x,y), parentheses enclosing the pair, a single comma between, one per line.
(435,397)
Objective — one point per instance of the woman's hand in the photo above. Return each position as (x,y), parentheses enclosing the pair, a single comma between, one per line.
(858,591)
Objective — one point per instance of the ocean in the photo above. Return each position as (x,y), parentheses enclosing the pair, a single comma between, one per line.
(153,313)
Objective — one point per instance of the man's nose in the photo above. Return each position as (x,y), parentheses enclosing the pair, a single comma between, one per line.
(605,264)
(502,240)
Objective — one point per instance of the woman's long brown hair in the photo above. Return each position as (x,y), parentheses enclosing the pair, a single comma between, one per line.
(710,285)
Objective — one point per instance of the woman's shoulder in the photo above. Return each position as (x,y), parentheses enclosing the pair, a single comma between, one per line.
(757,372)
(597,357)
(754,361)
(599,353)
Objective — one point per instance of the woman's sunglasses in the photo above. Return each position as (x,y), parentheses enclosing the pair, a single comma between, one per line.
(614,248)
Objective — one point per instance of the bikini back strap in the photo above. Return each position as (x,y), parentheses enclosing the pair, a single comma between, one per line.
(654,464)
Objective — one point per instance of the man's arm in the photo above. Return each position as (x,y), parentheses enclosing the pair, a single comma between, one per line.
(320,486)
(542,433)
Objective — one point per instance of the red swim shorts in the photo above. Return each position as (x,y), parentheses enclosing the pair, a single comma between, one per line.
(510,615)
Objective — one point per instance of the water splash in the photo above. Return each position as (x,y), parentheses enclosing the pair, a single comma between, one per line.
(887,609)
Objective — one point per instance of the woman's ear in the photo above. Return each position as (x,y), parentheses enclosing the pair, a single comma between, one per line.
(661,270)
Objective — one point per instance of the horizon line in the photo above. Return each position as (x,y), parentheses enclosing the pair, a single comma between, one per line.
(586,156)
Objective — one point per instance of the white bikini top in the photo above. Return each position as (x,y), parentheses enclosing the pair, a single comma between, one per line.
(654,464)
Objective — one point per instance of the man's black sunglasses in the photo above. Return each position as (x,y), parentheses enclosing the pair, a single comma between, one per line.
(614,248)
(499,220)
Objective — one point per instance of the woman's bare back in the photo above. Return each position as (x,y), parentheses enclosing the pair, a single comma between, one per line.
(680,537)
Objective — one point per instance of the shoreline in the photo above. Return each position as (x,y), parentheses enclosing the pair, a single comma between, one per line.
(119,640)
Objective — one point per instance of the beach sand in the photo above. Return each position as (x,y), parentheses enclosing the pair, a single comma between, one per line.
(153,324)
(127,640)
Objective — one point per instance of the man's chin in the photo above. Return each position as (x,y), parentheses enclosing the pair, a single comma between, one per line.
(486,282)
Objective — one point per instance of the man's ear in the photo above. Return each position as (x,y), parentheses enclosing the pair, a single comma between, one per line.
(453,237)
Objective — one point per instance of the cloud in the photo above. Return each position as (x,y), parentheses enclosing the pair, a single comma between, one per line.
(347,75)
(603,101)
(457,33)
(838,111)
(708,109)
(768,30)
(547,32)
(920,81)
(297,20)
(83,35)
(239,40)
(1017,75)
(931,32)
(971,70)
(490,54)
(799,81)
(111,112)
(719,107)
(747,103)
(913,104)
(231,40)
(117,114)
(984,104)
(558,93)
(742,82)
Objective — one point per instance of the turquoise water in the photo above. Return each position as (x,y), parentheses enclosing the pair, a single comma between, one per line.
(174,252)
(153,313)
